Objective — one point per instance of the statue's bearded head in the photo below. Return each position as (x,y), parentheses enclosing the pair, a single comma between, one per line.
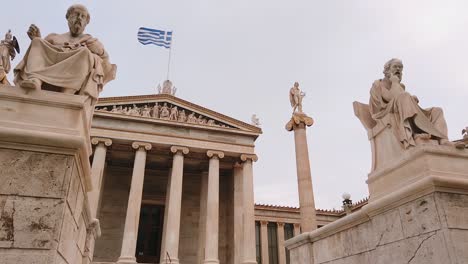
(78,17)
(393,67)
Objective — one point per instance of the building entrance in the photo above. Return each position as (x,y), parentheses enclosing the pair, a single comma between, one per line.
(150,233)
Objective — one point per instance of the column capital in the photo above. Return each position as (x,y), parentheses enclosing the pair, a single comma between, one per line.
(137,145)
(215,153)
(280,224)
(296,225)
(105,141)
(263,222)
(179,149)
(299,120)
(252,157)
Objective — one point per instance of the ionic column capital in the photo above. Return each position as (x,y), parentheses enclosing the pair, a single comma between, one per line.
(280,224)
(106,141)
(215,154)
(299,120)
(252,157)
(263,223)
(137,145)
(179,149)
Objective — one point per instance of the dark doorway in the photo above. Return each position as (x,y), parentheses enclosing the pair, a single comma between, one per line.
(150,233)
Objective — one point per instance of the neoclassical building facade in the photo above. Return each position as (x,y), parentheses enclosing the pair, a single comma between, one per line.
(174,184)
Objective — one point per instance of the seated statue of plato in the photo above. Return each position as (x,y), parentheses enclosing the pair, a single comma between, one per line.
(389,97)
(73,62)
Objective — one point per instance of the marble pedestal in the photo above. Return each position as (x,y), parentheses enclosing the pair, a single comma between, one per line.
(44,178)
(417,213)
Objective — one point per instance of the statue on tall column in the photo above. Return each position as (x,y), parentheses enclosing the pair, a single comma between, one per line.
(298,116)
(72,62)
(389,97)
(295,97)
(8,49)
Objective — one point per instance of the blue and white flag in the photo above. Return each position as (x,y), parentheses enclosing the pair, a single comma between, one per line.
(154,36)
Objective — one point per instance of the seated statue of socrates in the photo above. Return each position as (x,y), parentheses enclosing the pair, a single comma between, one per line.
(72,62)
(389,97)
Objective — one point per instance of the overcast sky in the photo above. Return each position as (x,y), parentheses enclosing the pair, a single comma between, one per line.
(241,57)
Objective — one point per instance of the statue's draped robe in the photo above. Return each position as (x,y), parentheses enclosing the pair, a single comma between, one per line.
(68,66)
(409,116)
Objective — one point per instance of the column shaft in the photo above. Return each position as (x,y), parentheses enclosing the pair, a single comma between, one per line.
(249,255)
(166,208)
(281,248)
(202,218)
(97,172)
(264,242)
(171,238)
(297,229)
(127,253)
(212,212)
(304,180)
(238,213)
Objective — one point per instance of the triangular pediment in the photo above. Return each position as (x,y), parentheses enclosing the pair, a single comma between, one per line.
(168,108)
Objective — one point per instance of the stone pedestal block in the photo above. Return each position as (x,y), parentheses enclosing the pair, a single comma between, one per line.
(417,213)
(44,178)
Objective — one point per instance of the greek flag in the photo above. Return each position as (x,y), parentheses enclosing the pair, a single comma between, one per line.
(154,36)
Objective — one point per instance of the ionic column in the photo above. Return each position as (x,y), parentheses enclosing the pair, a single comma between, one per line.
(238,213)
(171,238)
(281,248)
(297,229)
(298,123)
(202,218)
(127,254)
(249,256)
(212,208)
(97,171)
(264,242)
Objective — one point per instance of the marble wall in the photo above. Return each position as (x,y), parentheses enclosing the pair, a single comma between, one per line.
(430,229)
(42,202)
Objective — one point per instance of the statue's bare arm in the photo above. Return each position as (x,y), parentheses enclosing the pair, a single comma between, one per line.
(34,32)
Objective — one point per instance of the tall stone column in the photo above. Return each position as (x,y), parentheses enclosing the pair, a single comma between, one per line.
(264,242)
(298,123)
(202,218)
(212,208)
(281,248)
(171,238)
(249,254)
(297,229)
(238,213)
(97,171)
(127,253)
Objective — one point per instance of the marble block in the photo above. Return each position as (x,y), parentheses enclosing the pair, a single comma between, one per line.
(44,177)
(417,213)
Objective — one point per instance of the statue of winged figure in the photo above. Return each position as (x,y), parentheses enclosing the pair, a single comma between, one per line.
(8,49)
(295,97)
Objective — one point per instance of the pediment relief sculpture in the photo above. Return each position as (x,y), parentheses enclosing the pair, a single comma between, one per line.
(163,111)
(394,120)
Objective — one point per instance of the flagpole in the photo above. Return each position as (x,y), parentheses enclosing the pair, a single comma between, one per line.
(169,60)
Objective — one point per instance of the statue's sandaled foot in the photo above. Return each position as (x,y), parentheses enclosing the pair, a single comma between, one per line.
(446,142)
(460,145)
(32,83)
(423,136)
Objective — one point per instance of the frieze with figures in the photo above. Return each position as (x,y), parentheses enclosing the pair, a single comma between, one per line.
(163,111)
